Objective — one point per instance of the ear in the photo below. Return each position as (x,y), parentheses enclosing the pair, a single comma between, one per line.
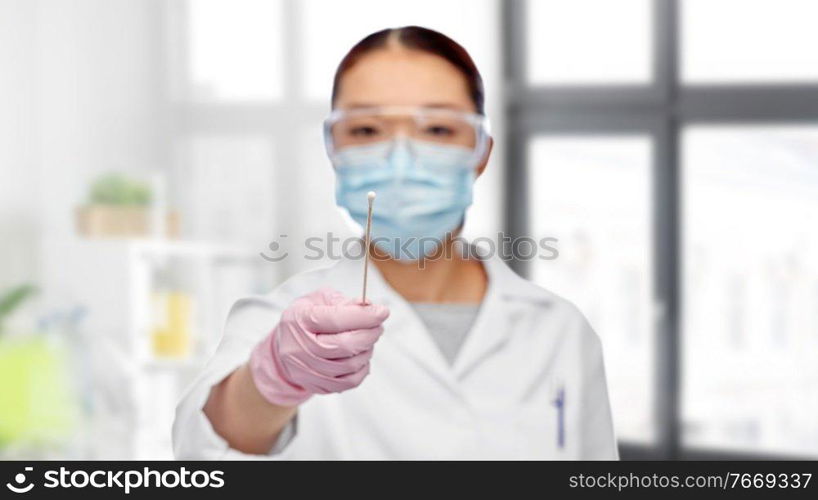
(486,156)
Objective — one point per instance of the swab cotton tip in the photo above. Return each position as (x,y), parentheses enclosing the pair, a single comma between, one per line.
(370,195)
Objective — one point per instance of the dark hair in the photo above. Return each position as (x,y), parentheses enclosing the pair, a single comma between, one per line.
(425,40)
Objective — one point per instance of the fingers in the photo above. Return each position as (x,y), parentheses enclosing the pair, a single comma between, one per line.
(325,340)
(327,310)
(354,379)
(333,367)
(341,317)
(323,384)
(340,345)
(345,344)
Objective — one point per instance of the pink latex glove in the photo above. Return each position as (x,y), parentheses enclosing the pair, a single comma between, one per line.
(322,344)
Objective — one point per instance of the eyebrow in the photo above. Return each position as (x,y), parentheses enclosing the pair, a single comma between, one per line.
(443,105)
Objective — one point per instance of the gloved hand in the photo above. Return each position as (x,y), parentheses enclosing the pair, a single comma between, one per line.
(322,344)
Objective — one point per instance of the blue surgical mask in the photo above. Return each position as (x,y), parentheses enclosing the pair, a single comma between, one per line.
(423,192)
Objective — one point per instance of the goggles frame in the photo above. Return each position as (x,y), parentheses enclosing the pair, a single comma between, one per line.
(480,123)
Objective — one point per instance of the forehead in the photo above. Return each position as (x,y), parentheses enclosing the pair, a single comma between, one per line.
(401,77)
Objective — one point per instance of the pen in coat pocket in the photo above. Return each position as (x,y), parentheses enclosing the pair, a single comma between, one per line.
(559,404)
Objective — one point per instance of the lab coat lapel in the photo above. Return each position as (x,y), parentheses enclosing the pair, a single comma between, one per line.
(507,296)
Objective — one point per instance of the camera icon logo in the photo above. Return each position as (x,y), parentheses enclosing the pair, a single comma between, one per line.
(20,479)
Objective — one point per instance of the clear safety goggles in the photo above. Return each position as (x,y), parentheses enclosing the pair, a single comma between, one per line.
(422,125)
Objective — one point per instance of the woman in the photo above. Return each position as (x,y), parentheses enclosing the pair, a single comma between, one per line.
(467,359)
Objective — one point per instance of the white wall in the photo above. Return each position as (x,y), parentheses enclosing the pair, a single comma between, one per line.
(82,96)
(100,104)
(18,152)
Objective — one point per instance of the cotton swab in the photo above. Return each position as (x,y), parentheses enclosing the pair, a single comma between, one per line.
(370,196)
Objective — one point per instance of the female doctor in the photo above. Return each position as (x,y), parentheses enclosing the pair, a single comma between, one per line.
(458,358)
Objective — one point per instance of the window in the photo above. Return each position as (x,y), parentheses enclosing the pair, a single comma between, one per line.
(588,42)
(751,288)
(592,193)
(215,171)
(749,41)
(235,50)
(672,147)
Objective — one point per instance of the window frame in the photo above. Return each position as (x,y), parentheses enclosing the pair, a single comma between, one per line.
(192,117)
(661,109)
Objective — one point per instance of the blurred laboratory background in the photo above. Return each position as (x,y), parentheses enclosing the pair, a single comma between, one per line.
(151,151)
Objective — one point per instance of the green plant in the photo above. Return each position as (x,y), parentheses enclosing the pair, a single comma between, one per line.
(11,300)
(117,189)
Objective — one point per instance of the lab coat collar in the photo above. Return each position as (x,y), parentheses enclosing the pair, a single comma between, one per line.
(506,294)
(506,297)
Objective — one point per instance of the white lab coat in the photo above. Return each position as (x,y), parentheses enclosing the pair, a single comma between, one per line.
(498,400)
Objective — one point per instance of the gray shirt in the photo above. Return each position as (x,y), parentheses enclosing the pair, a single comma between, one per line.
(447,323)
